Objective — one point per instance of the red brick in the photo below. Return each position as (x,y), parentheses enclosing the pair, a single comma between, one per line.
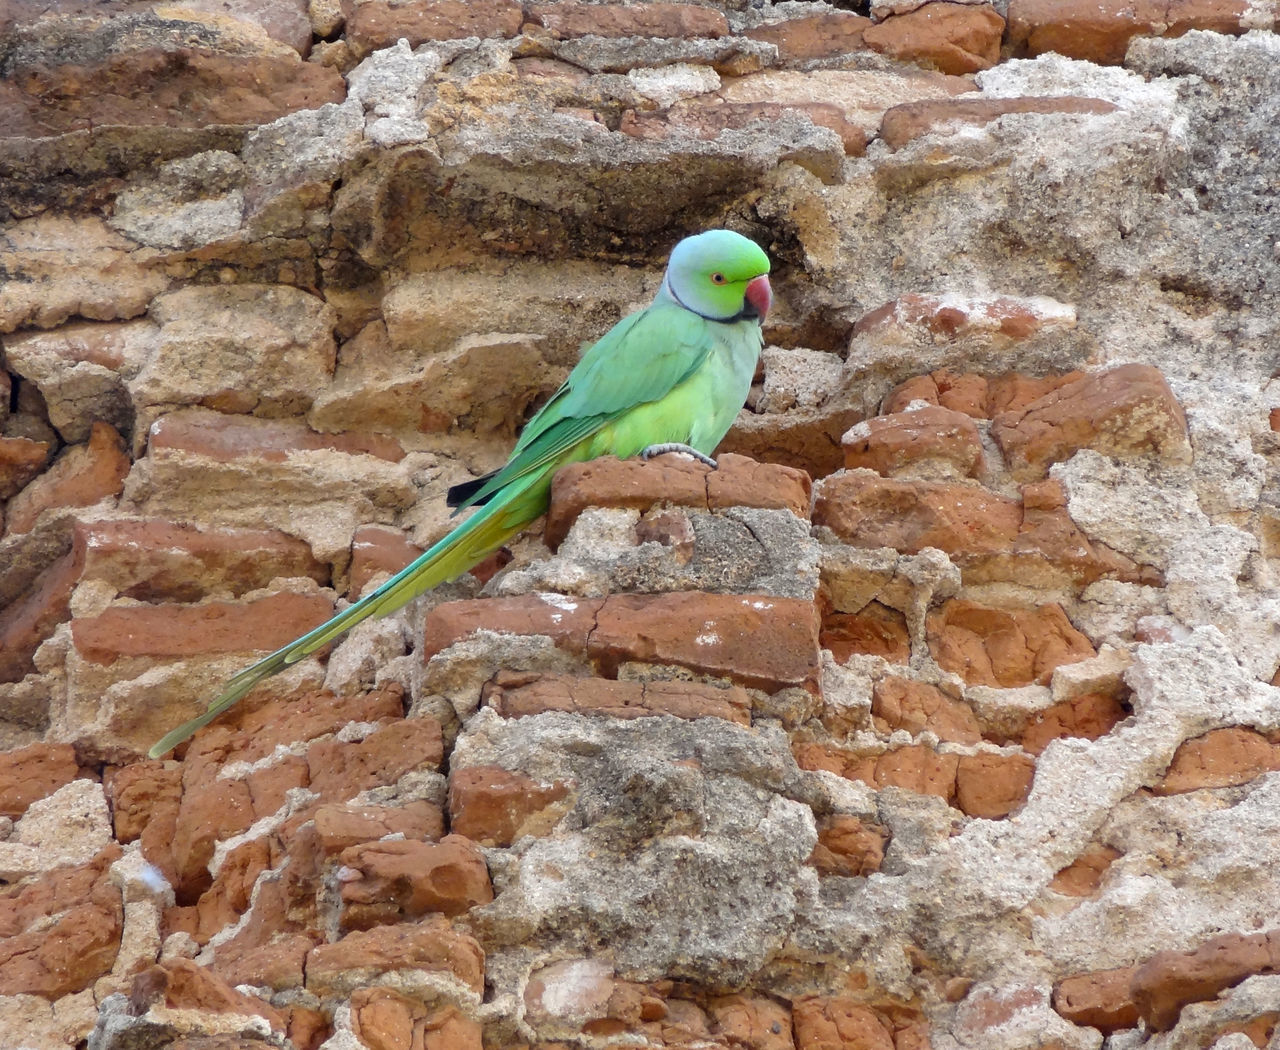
(30,773)
(1014,392)
(958,391)
(21,459)
(917,768)
(911,120)
(277,965)
(753,640)
(944,317)
(653,18)
(174,631)
(340,770)
(61,933)
(432,945)
(568,621)
(155,560)
(386,882)
(837,1023)
(210,810)
(674,480)
(965,521)
(137,791)
(1219,758)
(889,444)
(1101,32)
(228,438)
(848,846)
(1089,715)
(28,621)
(1125,411)
(951,38)
(1098,1000)
(80,477)
(384,1019)
(1169,980)
(750,1021)
(897,703)
(375,550)
(183,984)
(993,786)
(813,36)
(339,826)
(494,807)
(1003,648)
(231,891)
(1083,876)
(252,731)
(517,696)
(127,82)
(875,630)
(372,24)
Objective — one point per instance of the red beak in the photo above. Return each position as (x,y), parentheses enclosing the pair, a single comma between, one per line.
(759,296)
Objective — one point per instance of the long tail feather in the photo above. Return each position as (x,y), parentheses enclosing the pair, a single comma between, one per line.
(483,532)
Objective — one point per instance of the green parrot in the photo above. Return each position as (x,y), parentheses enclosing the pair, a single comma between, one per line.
(671,377)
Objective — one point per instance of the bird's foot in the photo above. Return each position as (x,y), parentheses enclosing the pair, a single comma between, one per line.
(676,446)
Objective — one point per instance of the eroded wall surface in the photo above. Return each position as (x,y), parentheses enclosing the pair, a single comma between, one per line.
(943,714)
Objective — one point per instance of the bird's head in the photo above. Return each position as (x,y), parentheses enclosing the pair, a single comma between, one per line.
(720,275)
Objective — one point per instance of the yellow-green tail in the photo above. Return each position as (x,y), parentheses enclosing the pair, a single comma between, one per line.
(481,534)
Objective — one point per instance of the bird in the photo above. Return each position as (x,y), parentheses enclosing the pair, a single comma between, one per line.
(669,378)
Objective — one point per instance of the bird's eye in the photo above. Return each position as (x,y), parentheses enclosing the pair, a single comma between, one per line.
(718,278)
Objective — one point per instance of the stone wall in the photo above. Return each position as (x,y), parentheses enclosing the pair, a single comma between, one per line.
(944,714)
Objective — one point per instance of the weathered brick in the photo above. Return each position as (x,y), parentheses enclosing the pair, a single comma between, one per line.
(676,480)
(62,932)
(911,120)
(384,1019)
(27,622)
(33,772)
(993,786)
(494,807)
(432,945)
(21,459)
(951,38)
(753,640)
(1124,411)
(372,24)
(80,477)
(924,437)
(154,560)
(1089,715)
(1083,876)
(174,631)
(517,696)
(341,770)
(391,881)
(848,846)
(570,18)
(823,1023)
(229,438)
(813,36)
(1219,758)
(875,630)
(1169,980)
(1098,1000)
(1003,647)
(898,703)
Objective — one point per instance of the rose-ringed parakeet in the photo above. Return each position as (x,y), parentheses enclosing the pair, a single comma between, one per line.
(670,377)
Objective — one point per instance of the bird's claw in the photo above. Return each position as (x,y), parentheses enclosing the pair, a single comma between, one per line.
(676,446)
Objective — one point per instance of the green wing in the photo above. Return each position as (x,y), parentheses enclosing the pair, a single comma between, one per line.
(639,360)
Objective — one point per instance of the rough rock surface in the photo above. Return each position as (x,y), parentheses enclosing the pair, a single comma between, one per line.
(944,714)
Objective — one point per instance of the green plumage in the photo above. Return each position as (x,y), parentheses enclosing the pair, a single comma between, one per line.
(678,371)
